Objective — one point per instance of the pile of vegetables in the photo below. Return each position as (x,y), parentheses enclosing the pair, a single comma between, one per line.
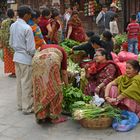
(71,95)
(67,44)
(120,39)
(73,67)
(82,110)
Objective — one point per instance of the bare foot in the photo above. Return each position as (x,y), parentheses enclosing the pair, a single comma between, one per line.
(59,120)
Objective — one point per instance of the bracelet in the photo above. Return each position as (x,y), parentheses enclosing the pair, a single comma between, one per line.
(98,87)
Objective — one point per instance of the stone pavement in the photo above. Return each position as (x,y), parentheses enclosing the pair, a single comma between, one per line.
(16,126)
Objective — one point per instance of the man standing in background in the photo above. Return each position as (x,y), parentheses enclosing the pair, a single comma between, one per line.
(109,14)
(100,20)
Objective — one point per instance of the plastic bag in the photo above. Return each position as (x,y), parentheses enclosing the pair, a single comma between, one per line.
(124,56)
(128,122)
(122,66)
(115,57)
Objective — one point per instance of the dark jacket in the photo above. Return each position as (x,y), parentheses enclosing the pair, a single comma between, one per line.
(87,47)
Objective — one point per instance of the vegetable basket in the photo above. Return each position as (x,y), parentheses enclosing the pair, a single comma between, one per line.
(97,123)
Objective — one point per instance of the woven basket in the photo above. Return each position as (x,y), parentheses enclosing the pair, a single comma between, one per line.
(99,123)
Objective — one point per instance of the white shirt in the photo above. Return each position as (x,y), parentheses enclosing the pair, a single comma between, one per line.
(113,27)
(22,41)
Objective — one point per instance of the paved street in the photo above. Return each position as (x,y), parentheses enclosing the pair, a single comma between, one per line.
(16,126)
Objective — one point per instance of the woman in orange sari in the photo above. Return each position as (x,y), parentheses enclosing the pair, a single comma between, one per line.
(9,66)
(47,82)
(75,30)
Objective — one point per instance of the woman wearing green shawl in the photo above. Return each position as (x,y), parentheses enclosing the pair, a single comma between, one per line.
(124,91)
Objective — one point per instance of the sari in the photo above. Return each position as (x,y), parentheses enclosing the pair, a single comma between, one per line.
(78,33)
(9,66)
(55,31)
(101,73)
(44,22)
(47,89)
(129,88)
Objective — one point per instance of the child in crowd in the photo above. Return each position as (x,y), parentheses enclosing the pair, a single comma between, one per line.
(133,30)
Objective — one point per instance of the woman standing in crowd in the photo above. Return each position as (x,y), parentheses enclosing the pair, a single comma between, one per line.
(100,73)
(55,26)
(75,30)
(39,40)
(45,25)
(47,84)
(124,91)
(9,66)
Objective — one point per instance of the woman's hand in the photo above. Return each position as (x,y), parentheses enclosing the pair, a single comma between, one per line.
(97,89)
(112,101)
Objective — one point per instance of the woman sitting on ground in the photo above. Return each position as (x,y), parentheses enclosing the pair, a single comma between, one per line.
(100,73)
(124,91)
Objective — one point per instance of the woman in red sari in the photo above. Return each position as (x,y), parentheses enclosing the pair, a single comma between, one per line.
(55,26)
(47,82)
(75,30)
(45,25)
(100,73)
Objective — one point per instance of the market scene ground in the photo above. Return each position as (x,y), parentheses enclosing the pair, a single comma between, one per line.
(16,126)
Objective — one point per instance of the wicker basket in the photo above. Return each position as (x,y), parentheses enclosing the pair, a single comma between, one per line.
(99,123)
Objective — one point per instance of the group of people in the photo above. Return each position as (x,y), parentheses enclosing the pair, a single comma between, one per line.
(41,64)
(107,19)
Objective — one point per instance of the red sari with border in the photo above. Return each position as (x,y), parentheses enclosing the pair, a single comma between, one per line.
(47,88)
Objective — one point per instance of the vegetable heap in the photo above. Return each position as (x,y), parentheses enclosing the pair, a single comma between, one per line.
(72,67)
(72,95)
(82,110)
(120,39)
(67,44)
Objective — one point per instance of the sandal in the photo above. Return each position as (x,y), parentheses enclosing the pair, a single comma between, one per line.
(59,120)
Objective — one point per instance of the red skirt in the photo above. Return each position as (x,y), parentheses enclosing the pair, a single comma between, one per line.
(9,66)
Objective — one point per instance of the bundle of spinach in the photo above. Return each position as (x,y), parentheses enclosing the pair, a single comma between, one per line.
(120,39)
(66,48)
(71,95)
(69,43)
